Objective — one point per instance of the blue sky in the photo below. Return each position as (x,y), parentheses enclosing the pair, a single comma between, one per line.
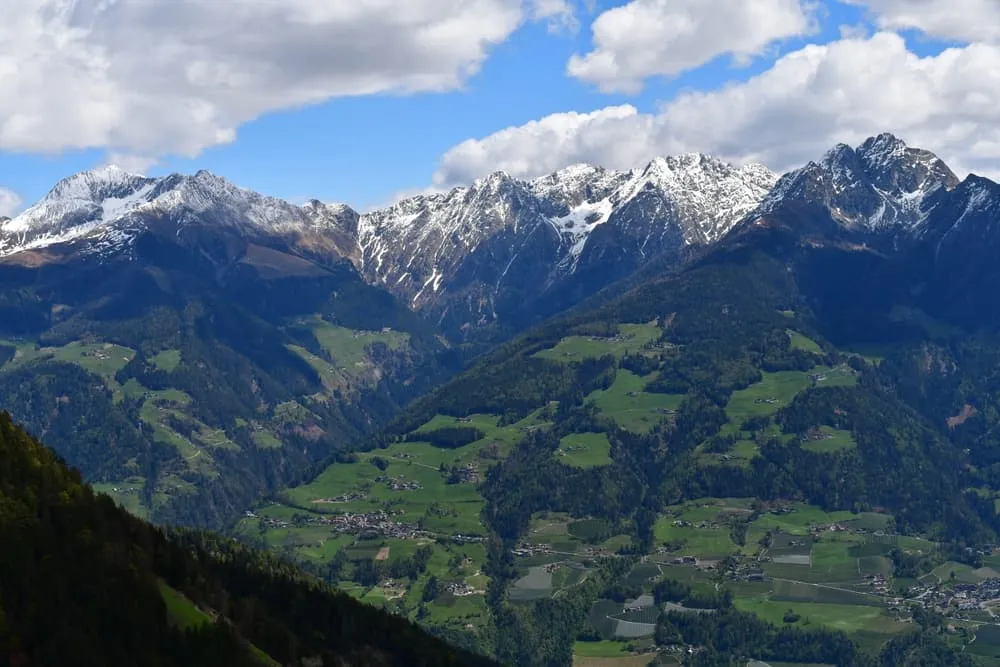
(365,149)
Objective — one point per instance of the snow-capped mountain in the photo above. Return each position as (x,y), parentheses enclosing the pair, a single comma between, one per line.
(504,252)
(499,248)
(882,186)
(505,246)
(104,210)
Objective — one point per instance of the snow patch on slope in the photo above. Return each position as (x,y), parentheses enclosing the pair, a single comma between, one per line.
(582,219)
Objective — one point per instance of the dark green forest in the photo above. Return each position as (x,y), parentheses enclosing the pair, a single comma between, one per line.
(82,583)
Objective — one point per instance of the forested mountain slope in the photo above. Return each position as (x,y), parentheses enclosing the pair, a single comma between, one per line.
(727,425)
(208,357)
(82,582)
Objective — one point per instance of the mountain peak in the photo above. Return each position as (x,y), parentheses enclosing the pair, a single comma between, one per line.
(885,143)
(880,185)
(94,184)
(493,178)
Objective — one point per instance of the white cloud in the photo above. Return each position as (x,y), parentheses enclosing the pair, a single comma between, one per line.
(959,20)
(155,77)
(809,100)
(10,202)
(612,137)
(560,14)
(647,38)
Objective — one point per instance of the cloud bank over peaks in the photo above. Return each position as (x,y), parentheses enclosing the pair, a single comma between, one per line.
(811,99)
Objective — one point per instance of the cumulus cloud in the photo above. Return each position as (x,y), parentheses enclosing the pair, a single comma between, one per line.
(155,77)
(560,14)
(809,100)
(958,20)
(612,137)
(647,38)
(10,202)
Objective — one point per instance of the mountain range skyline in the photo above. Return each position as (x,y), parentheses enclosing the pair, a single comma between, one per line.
(486,260)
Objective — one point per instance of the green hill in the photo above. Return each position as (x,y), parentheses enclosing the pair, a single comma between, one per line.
(187,384)
(82,582)
(703,416)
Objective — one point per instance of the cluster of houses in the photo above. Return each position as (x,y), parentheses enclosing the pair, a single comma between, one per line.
(345,498)
(879,583)
(460,588)
(367,334)
(100,354)
(619,338)
(525,550)
(467,474)
(957,597)
(682,523)
(398,483)
(124,490)
(370,523)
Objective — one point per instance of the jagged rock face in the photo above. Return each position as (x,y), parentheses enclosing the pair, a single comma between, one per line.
(504,252)
(882,186)
(937,238)
(501,249)
(955,254)
(510,251)
(103,212)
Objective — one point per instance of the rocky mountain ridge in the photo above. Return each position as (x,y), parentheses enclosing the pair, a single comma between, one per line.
(466,257)
(503,252)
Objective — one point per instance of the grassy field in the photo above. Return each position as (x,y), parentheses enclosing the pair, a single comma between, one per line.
(537,583)
(699,542)
(631,407)
(849,618)
(167,360)
(449,562)
(161,406)
(264,439)
(584,450)
(608,654)
(443,508)
(349,348)
(800,342)
(778,388)
(834,440)
(126,493)
(632,339)
(103,359)
(569,536)
(800,518)
(183,612)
